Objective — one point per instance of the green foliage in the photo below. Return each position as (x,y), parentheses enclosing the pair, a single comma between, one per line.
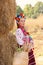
(34,16)
(18,10)
(28,10)
(38,8)
(19,49)
(31,12)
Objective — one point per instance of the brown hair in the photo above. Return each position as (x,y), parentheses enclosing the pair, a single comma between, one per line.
(17,25)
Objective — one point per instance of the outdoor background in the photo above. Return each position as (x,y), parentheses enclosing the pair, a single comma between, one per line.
(33,10)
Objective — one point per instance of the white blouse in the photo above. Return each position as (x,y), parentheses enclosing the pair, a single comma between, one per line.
(19,36)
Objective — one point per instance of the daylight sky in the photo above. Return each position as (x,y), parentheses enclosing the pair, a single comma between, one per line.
(22,3)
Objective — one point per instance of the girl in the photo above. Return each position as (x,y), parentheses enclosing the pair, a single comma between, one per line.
(23,37)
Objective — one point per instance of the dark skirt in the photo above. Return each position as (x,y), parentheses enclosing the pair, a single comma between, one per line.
(31,58)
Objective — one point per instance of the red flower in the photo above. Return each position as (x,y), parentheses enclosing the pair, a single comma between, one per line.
(18,19)
(21,14)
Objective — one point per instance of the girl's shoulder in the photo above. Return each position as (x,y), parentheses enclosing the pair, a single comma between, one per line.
(19,30)
(19,33)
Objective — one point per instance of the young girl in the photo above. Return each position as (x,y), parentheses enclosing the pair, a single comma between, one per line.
(23,37)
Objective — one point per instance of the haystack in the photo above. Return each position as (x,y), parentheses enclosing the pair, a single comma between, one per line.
(8,42)
(7,13)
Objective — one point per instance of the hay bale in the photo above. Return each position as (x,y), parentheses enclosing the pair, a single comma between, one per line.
(7,41)
(7,12)
(7,49)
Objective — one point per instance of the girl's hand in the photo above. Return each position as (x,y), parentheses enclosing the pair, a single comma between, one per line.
(24,39)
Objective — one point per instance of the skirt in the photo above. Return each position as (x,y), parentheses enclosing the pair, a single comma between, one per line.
(31,58)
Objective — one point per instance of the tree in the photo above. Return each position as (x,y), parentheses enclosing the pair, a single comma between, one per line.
(38,8)
(18,9)
(28,10)
(33,12)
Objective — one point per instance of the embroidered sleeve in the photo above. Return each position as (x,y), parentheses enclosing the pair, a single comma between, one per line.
(19,37)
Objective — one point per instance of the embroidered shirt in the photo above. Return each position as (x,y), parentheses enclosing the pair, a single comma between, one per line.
(21,38)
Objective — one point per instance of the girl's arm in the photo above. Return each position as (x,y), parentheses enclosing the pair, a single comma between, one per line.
(19,36)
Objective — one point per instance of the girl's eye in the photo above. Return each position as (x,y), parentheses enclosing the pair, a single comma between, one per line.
(22,20)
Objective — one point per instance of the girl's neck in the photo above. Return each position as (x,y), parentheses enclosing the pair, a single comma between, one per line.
(21,27)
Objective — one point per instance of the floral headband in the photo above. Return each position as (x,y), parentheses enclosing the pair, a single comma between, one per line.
(19,16)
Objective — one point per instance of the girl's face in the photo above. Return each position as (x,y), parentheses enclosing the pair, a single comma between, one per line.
(22,22)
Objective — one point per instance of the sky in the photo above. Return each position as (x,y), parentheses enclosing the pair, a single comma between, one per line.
(22,3)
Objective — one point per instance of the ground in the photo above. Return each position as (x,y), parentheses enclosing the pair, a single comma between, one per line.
(21,58)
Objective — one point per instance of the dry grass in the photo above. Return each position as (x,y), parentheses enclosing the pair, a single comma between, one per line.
(35,27)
